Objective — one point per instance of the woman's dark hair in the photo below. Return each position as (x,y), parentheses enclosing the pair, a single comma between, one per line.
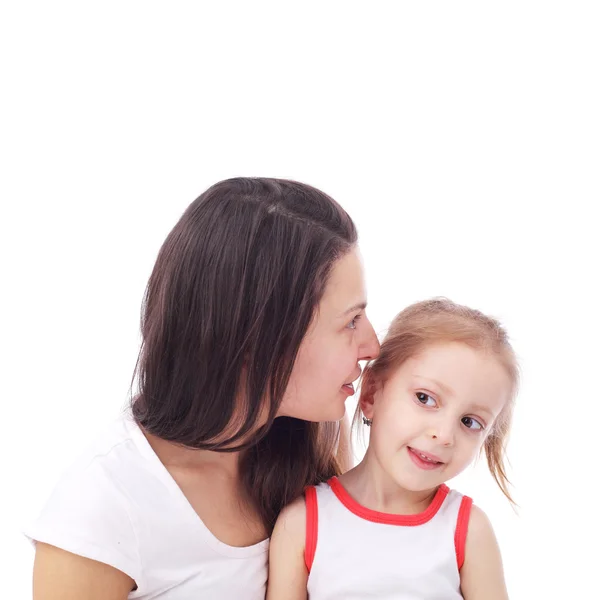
(232,294)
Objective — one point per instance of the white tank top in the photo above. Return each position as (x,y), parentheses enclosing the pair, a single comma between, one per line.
(353,552)
(119,505)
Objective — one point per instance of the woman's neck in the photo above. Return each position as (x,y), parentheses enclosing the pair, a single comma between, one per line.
(175,456)
(211,483)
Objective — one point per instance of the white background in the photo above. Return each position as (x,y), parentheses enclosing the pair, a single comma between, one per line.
(462,137)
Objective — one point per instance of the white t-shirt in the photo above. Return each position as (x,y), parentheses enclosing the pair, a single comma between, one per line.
(120,506)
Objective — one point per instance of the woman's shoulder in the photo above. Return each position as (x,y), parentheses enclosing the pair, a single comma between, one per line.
(89,510)
(118,452)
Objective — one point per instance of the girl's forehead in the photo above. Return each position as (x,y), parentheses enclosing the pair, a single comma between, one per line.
(451,358)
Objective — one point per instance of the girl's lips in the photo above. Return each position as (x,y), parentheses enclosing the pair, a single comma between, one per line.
(424,460)
(428,455)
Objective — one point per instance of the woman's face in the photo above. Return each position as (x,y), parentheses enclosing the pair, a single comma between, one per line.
(338,338)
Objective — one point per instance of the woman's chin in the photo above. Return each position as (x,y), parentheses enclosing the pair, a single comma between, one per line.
(333,410)
(339,413)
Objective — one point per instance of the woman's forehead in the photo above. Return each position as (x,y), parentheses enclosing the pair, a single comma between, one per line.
(345,291)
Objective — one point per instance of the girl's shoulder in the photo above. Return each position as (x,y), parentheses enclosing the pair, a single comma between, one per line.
(296,518)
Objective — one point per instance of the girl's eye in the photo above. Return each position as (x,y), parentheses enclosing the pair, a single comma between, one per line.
(426,399)
(471,423)
(352,324)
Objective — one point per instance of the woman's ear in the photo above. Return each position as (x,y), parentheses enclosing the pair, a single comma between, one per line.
(368,390)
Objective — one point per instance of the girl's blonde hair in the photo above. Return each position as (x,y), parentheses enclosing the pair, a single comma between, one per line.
(441,320)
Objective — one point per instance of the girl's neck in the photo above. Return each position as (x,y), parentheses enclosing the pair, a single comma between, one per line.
(373,488)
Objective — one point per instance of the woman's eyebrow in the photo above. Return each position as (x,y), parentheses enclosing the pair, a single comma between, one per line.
(359,306)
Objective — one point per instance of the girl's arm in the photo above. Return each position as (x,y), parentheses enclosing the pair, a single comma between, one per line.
(482,576)
(60,575)
(287,570)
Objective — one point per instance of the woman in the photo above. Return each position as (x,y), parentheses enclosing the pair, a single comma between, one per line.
(253,328)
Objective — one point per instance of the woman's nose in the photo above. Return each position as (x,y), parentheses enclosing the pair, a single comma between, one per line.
(369,348)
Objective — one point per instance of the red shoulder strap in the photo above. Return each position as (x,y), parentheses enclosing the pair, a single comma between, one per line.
(462,526)
(312,526)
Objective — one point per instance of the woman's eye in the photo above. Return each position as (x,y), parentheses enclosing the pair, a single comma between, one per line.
(426,399)
(471,423)
(352,324)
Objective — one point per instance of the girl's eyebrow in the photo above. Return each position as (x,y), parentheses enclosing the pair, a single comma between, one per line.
(445,388)
(482,409)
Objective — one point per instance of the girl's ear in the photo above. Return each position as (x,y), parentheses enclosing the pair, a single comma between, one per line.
(368,389)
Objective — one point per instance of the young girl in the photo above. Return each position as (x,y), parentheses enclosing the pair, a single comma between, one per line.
(441,390)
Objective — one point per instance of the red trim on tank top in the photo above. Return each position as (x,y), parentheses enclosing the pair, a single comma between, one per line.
(312,526)
(462,526)
(389,519)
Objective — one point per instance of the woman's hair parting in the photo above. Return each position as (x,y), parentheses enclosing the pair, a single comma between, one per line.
(441,320)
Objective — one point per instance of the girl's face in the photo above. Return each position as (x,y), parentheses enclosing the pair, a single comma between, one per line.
(328,359)
(431,417)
